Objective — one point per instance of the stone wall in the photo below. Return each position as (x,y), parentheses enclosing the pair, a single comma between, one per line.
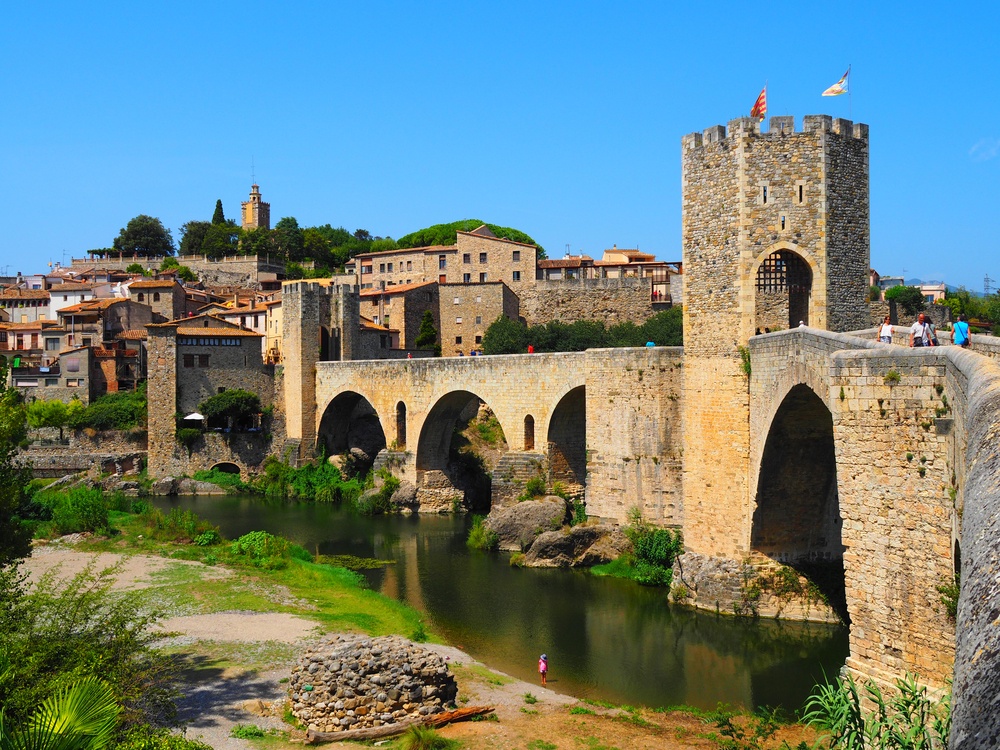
(246,450)
(634,437)
(608,300)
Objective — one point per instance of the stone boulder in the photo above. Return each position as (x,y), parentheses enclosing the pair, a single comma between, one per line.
(194,487)
(518,525)
(356,682)
(580,546)
(405,496)
(164,487)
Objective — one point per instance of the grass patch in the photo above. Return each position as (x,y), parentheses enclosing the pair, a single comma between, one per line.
(582,711)
(482,674)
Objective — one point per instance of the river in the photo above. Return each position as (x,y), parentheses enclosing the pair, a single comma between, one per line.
(606,639)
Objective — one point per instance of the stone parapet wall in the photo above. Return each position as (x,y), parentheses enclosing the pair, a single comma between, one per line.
(608,300)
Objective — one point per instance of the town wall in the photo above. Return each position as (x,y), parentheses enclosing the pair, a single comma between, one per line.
(608,300)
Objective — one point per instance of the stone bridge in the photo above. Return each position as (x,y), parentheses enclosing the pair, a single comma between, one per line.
(604,420)
(872,462)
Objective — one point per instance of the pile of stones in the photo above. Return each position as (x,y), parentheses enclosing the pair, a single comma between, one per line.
(358,682)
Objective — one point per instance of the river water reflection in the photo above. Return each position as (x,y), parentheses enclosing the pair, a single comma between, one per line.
(606,639)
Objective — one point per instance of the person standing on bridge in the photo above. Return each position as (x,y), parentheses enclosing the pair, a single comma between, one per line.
(960,333)
(920,334)
(885,331)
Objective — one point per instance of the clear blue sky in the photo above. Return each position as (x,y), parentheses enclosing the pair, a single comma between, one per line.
(561,119)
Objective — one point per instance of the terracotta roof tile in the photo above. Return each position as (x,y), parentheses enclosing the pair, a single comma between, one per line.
(152,284)
(223,332)
(24,294)
(395,289)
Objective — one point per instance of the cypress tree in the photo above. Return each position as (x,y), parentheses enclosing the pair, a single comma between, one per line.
(218,217)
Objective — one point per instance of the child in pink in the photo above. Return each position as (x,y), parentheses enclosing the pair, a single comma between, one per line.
(543,667)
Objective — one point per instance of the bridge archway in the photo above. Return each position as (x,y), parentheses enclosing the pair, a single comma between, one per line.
(783,293)
(567,439)
(350,421)
(440,460)
(797,520)
(227,467)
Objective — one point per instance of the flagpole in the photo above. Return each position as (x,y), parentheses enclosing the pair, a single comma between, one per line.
(850,95)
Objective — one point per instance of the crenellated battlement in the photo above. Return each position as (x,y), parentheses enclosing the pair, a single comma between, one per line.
(778,127)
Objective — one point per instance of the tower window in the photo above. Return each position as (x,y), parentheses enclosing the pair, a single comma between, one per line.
(782,223)
(800,193)
(763,194)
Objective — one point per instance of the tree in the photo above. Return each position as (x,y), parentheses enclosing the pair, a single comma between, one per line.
(144,235)
(910,298)
(15,534)
(186,274)
(220,241)
(135,268)
(427,336)
(505,336)
(54,413)
(257,241)
(193,235)
(218,217)
(446,234)
(234,405)
(288,237)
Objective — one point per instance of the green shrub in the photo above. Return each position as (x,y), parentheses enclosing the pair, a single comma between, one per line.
(58,632)
(247,732)
(175,526)
(418,737)
(534,487)
(79,509)
(150,738)
(208,538)
(188,436)
(480,537)
(908,718)
(233,407)
(378,502)
(260,544)
(228,480)
(114,411)
(320,481)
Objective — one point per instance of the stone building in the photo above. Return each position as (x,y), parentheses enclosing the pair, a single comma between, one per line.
(21,305)
(166,297)
(402,308)
(775,230)
(256,213)
(189,361)
(476,257)
(466,311)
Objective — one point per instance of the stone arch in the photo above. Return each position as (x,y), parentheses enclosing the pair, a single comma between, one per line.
(350,422)
(226,466)
(529,433)
(796,516)
(444,474)
(567,438)
(783,283)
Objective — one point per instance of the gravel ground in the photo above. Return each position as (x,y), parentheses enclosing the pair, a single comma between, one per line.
(214,699)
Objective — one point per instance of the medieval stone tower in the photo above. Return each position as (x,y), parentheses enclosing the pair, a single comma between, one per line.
(775,232)
(256,213)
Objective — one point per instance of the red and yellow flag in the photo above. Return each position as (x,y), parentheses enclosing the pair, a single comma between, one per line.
(841,86)
(760,106)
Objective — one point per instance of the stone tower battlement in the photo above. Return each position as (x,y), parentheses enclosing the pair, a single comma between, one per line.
(777,127)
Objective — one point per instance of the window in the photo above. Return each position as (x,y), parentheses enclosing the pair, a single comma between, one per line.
(202,360)
(65,298)
(479,339)
(382,342)
(458,320)
(221,389)
(73,382)
(482,257)
(763,194)
(466,278)
(156,296)
(73,364)
(482,278)
(366,269)
(142,297)
(409,266)
(51,381)
(800,192)
(458,300)
(517,275)
(458,339)
(86,340)
(466,257)
(51,345)
(381,267)
(479,299)
(189,360)
(516,257)
(479,320)
(441,261)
